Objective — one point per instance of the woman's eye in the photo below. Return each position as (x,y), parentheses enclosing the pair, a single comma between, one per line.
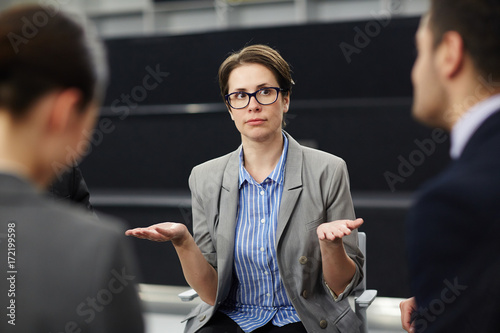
(240,95)
(265,92)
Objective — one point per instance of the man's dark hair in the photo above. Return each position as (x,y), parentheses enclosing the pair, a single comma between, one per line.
(478,22)
(42,50)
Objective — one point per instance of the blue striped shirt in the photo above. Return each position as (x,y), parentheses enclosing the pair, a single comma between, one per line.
(257,295)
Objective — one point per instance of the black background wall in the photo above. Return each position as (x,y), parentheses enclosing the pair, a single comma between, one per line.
(152,132)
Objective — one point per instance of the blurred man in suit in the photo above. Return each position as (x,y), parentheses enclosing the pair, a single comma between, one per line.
(62,270)
(454,226)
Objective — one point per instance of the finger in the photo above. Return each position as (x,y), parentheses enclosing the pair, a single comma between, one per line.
(345,230)
(406,326)
(150,235)
(330,236)
(355,224)
(336,235)
(321,234)
(132,232)
(140,236)
(165,231)
(136,230)
(406,310)
(409,328)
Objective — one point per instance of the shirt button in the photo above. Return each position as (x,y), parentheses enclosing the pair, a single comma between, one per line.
(268,295)
(202,318)
(263,220)
(261,192)
(303,260)
(266,272)
(262,249)
(305,294)
(323,323)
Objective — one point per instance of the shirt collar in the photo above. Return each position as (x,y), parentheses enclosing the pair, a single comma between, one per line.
(470,122)
(277,175)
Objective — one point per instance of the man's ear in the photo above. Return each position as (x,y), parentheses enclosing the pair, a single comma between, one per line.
(451,54)
(64,110)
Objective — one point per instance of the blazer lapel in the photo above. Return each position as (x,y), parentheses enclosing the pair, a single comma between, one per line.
(228,209)
(292,186)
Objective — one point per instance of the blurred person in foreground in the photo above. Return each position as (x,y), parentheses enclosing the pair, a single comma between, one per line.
(454,226)
(63,270)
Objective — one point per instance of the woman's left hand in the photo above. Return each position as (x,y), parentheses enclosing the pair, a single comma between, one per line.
(334,231)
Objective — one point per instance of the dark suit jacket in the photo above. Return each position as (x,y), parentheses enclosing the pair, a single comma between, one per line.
(71,186)
(454,240)
(315,191)
(72,273)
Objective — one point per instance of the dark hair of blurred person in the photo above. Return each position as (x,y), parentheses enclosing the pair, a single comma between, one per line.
(477,23)
(41,53)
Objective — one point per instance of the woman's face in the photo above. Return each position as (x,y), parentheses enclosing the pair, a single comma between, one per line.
(256,122)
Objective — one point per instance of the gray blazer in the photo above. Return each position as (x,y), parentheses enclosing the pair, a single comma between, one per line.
(72,272)
(316,190)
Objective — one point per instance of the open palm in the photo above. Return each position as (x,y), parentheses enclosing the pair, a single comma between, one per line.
(160,232)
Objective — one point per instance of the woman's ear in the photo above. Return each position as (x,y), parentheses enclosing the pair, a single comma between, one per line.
(286,102)
(229,110)
(64,109)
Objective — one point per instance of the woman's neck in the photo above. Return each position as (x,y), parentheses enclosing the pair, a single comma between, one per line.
(17,152)
(262,157)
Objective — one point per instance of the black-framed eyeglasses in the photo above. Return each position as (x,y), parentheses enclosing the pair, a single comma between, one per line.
(264,96)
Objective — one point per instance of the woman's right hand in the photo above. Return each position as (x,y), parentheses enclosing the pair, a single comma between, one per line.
(162,232)
(199,274)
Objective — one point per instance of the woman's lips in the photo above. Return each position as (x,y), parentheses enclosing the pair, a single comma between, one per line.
(256,121)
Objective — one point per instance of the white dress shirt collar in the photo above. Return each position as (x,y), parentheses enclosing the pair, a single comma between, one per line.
(470,122)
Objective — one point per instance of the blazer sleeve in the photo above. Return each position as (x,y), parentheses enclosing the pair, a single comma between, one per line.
(340,207)
(201,230)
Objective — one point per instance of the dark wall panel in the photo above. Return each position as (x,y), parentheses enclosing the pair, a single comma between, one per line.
(321,71)
(158,152)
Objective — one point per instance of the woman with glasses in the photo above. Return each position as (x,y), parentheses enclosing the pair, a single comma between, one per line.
(274,246)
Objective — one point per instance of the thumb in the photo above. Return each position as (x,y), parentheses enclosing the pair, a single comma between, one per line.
(164,231)
(355,224)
